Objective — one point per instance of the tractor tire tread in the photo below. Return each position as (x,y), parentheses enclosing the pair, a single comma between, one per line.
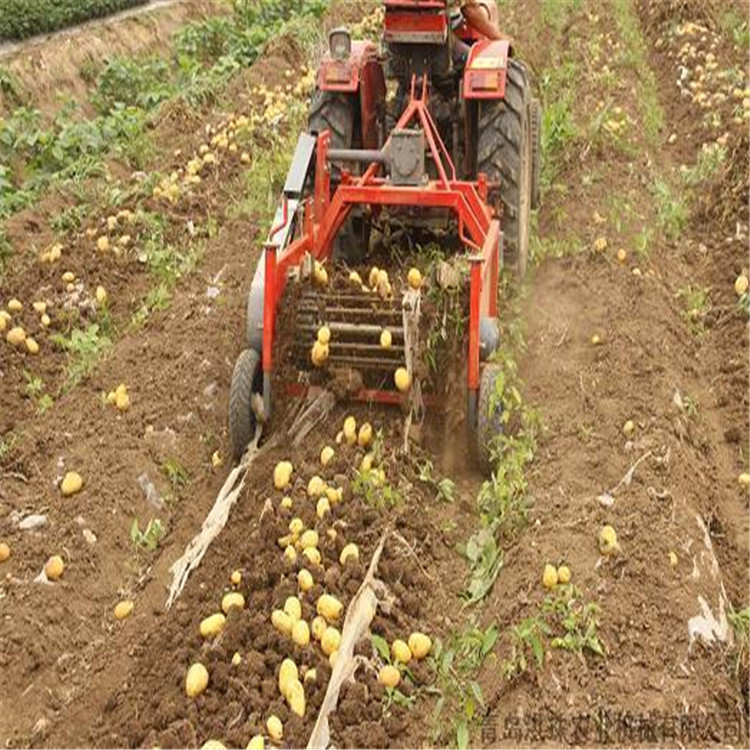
(241,417)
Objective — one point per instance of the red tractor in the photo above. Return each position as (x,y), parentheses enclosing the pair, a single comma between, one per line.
(419,134)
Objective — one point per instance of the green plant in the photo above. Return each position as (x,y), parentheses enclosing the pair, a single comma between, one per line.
(150,537)
(696,301)
(576,619)
(485,562)
(25,18)
(455,664)
(671,209)
(710,160)
(445,487)
(84,348)
(740,624)
(527,640)
(176,473)
(375,490)
(132,82)
(7,443)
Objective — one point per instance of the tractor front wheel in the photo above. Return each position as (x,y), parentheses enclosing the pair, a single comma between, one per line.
(505,155)
(246,379)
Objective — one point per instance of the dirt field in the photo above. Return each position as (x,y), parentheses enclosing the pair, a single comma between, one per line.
(633,387)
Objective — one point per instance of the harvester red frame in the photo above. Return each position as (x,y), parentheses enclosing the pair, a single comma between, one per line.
(323,214)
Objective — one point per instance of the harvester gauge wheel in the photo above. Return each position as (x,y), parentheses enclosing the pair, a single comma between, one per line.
(505,155)
(489,416)
(245,380)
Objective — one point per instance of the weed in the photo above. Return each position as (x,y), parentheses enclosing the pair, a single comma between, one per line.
(455,664)
(696,301)
(733,25)
(84,348)
(635,55)
(34,384)
(157,299)
(445,487)
(150,537)
(740,623)
(642,242)
(176,473)
(671,209)
(557,13)
(691,407)
(375,490)
(710,160)
(70,219)
(7,443)
(485,562)
(576,619)
(528,639)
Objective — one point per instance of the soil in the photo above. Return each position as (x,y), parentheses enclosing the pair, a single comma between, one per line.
(74,676)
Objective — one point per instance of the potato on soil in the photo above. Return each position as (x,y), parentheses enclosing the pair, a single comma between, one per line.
(329,607)
(296,698)
(232,600)
(256,741)
(319,626)
(4,552)
(402,379)
(401,651)
(315,487)
(305,580)
(196,680)
(282,474)
(608,541)
(32,347)
(15,306)
(71,484)
(323,507)
(386,339)
(213,745)
(350,552)
(212,625)
(309,540)
(330,640)
(54,568)
(364,437)
(350,430)
(414,277)
(236,577)
(326,455)
(301,633)
(282,622)
(312,555)
(16,336)
(275,728)
(563,574)
(288,672)
(389,676)
(419,645)
(293,607)
(124,609)
(549,577)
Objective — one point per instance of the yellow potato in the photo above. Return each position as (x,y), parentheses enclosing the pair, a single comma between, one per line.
(236,577)
(419,645)
(402,379)
(68,277)
(196,680)
(549,577)
(741,285)
(305,580)
(310,539)
(366,463)
(372,279)
(330,640)
(301,633)
(282,622)
(389,676)
(213,745)
(232,600)
(282,474)
(401,651)
(212,625)
(355,278)
(293,607)
(275,728)
(4,552)
(101,295)
(296,526)
(329,607)
(44,320)
(350,552)
(54,568)
(350,430)
(40,307)
(364,438)
(319,626)
(72,482)
(236,659)
(608,541)
(312,555)
(326,455)
(316,487)
(15,306)
(287,673)
(3,324)
(324,335)
(563,574)
(122,401)
(414,278)
(290,554)
(323,506)
(31,345)
(16,336)
(256,741)
(286,502)
(124,609)
(311,675)
(386,339)
(296,698)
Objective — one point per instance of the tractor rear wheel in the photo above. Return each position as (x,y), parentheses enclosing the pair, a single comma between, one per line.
(245,381)
(536,150)
(338,113)
(505,155)
(489,417)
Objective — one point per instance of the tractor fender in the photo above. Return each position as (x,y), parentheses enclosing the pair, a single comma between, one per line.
(361,74)
(254,329)
(486,69)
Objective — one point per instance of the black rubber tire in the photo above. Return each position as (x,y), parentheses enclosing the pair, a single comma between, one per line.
(489,417)
(245,380)
(337,113)
(536,150)
(504,154)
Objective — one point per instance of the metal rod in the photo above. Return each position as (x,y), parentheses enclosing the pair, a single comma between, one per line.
(359,155)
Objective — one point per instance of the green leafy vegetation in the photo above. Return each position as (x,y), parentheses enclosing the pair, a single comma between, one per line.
(84,348)
(176,473)
(149,537)
(671,209)
(739,621)
(485,562)
(456,664)
(527,644)
(24,18)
